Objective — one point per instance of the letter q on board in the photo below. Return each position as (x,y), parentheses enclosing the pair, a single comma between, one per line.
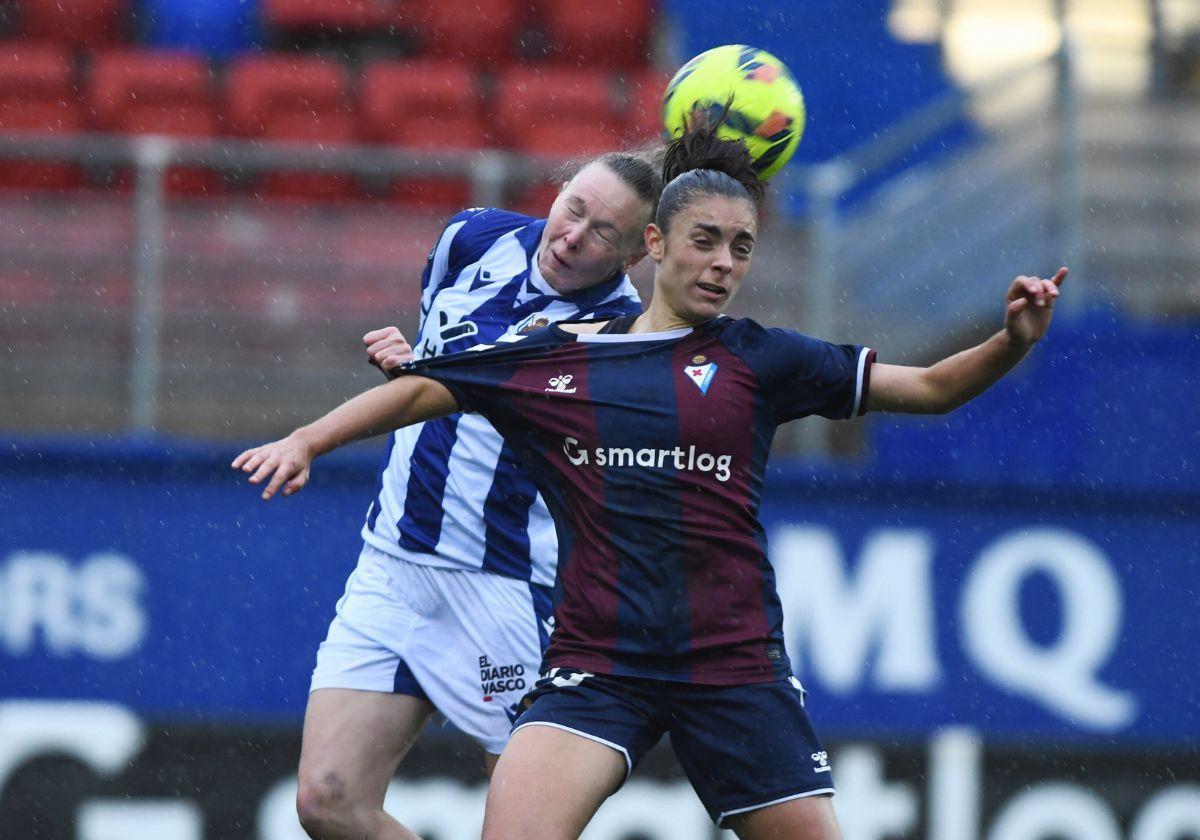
(1063,675)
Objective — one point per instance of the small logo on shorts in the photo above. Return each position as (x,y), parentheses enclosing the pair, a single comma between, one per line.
(822,760)
(565,677)
(499,679)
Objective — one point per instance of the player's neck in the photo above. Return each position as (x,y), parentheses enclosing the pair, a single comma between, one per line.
(658,319)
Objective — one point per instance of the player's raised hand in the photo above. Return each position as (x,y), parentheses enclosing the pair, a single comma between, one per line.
(283,463)
(1030,305)
(387,349)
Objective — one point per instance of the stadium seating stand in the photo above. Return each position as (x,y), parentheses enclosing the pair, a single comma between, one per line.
(293,98)
(424,104)
(38,95)
(153,92)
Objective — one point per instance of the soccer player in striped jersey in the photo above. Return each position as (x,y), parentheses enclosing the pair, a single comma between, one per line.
(651,459)
(449,606)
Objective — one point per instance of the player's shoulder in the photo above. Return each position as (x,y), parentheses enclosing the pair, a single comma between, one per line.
(748,333)
(761,345)
(482,226)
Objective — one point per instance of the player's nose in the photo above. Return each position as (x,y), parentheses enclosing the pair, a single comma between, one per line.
(572,237)
(723,260)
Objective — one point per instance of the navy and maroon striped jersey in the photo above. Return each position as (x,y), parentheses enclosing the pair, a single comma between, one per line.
(650,451)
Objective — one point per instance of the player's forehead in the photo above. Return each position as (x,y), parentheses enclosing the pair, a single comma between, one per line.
(606,197)
(730,218)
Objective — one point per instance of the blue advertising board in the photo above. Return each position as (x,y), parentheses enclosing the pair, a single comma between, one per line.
(147,574)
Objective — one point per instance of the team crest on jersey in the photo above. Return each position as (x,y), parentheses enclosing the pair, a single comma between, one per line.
(701,372)
(533,323)
(559,384)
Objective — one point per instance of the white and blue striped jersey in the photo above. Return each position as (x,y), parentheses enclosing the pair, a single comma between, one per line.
(451,492)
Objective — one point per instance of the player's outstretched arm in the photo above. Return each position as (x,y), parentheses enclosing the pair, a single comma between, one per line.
(944,386)
(286,463)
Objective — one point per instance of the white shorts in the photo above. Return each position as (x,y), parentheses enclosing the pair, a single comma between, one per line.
(469,642)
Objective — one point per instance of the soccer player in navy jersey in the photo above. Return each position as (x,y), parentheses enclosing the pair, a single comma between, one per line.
(449,605)
(649,436)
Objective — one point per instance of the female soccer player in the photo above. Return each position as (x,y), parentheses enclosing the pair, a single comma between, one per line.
(649,437)
(447,606)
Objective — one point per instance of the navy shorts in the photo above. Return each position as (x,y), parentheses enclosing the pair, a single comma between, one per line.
(743,747)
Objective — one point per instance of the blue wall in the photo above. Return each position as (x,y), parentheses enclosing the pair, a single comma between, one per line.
(1027,567)
(1101,404)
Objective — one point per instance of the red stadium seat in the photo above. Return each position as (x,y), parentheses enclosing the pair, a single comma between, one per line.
(37,94)
(424,104)
(472,30)
(134,92)
(331,15)
(299,99)
(616,33)
(72,22)
(152,93)
(562,111)
(643,96)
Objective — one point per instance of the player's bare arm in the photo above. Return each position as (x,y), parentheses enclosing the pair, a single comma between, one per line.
(286,463)
(948,384)
(387,349)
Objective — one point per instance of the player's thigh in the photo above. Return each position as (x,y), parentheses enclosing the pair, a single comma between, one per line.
(353,740)
(477,651)
(548,784)
(810,818)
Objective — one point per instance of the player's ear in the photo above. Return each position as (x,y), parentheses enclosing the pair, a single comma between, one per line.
(633,259)
(654,239)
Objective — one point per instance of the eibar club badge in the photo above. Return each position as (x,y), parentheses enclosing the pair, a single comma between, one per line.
(701,371)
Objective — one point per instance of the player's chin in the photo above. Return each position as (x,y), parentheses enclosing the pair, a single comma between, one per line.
(706,306)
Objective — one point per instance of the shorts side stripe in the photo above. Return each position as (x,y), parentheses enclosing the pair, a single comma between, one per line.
(736,811)
(590,737)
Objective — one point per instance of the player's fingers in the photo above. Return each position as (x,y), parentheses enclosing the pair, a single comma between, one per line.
(1014,307)
(243,458)
(283,472)
(253,462)
(265,468)
(397,357)
(296,483)
(1050,290)
(393,346)
(375,336)
(1060,276)
(389,347)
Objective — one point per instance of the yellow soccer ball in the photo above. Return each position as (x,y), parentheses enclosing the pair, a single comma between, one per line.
(766,111)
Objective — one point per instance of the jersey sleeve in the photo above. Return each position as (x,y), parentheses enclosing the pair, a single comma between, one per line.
(438,261)
(809,376)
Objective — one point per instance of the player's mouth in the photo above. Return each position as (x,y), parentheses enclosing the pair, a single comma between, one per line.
(560,261)
(712,292)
